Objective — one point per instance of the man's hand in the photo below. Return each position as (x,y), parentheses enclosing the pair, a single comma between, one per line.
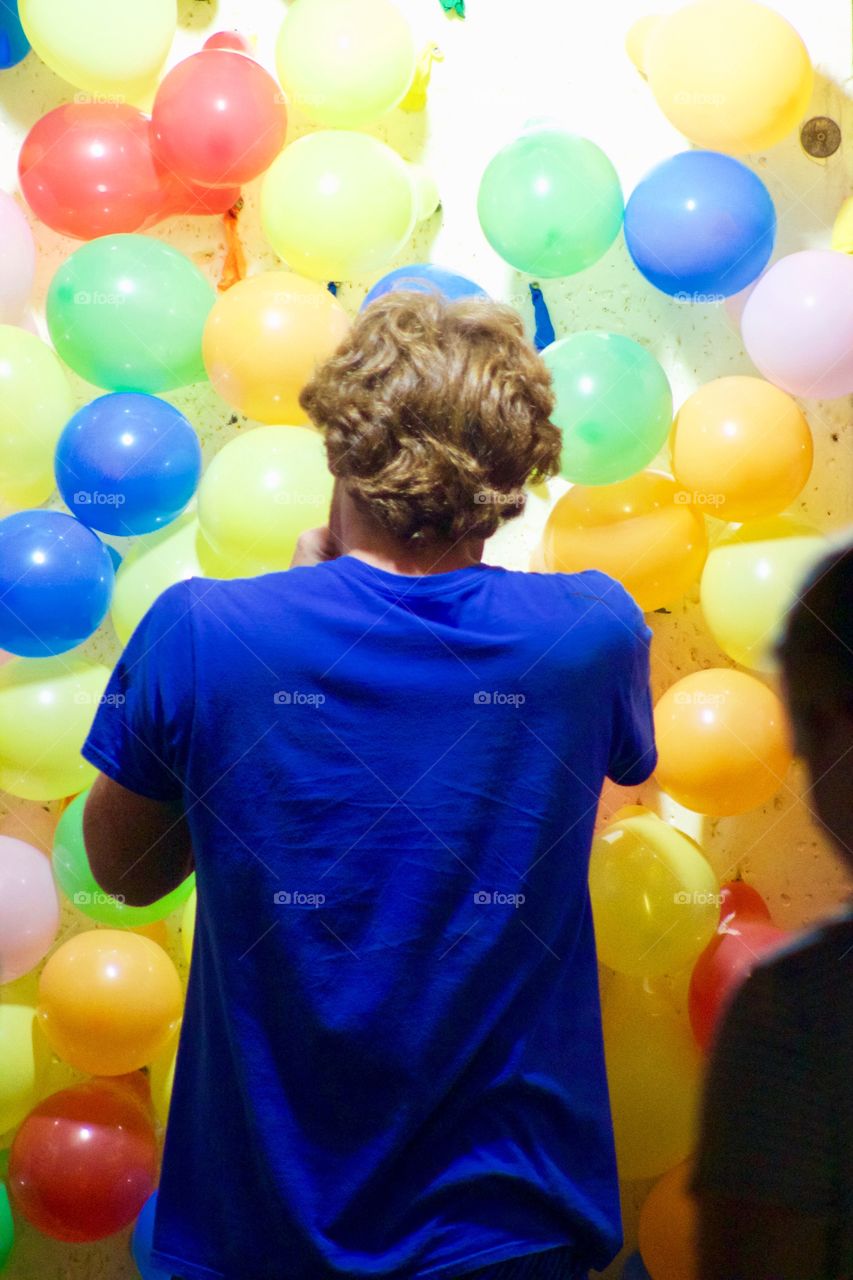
(314,547)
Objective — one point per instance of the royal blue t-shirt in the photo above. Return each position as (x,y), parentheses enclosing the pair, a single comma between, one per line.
(391,1061)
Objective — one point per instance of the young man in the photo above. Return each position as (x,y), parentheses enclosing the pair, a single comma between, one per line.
(384,766)
(774,1174)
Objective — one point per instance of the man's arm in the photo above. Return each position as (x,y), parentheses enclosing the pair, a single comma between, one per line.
(739,1240)
(139,849)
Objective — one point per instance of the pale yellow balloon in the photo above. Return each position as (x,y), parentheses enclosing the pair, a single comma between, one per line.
(111,48)
(842,228)
(22,1063)
(35,404)
(655,897)
(188,925)
(750,581)
(654,1076)
(161,1077)
(259,493)
(46,709)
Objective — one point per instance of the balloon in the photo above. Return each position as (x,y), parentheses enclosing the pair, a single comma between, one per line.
(7,1227)
(264,338)
(175,553)
(18,263)
(700,226)
(46,709)
(75,879)
(842,228)
(614,405)
(336,205)
(740,942)
(228,40)
(797,325)
(127,313)
(113,50)
(127,463)
(345,62)
(639,531)
(259,493)
(729,74)
(653,1071)
(668,1228)
(86,169)
(723,742)
(550,203)
(741,448)
(218,119)
(188,925)
(740,899)
(56,580)
(425,277)
(108,1001)
(142,1242)
(14,47)
(162,1078)
(655,898)
(21,1070)
(29,911)
(751,580)
(180,196)
(84,1162)
(35,404)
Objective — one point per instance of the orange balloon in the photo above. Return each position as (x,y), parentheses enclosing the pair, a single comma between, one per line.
(640,531)
(741,448)
(156,931)
(667,1235)
(723,742)
(263,339)
(108,1001)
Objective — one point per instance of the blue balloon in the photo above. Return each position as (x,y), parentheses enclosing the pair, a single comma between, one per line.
(634,1269)
(127,463)
(425,277)
(142,1240)
(700,226)
(56,582)
(14,45)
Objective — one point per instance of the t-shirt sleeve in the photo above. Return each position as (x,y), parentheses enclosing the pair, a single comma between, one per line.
(767,1112)
(633,755)
(141,731)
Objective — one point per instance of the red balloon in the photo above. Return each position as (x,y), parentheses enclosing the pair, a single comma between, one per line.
(219,118)
(745,935)
(84,1161)
(180,196)
(740,899)
(228,40)
(86,169)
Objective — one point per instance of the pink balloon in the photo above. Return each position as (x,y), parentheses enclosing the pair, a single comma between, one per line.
(17,260)
(29,908)
(797,324)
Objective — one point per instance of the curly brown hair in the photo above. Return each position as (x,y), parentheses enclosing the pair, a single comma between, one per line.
(435,415)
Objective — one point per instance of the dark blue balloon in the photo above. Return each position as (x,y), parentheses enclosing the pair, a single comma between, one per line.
(634,1269)
(14,45)
(142,1241)
(56,581)
(700,226)
(127,463)
(425,277)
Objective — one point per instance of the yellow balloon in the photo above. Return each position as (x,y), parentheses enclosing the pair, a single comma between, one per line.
(161,1077)
(156,562)
(345,62)
(35,404)
(260,492)
(732,75)
(338,205)
(114,49)
(188,925)
(22,1063)
(749,583)
(842,228)
(654,1075)
(46,708)
(655,898)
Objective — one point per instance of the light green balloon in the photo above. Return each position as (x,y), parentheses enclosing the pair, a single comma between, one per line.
(7,1227)
(35,404)
(614,406)
(550,203)
(46,709)
(127,313)
(74,877)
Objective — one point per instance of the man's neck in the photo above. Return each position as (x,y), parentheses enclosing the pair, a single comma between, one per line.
(355,534)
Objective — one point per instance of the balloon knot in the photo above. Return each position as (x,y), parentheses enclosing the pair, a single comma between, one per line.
(544,334)
(416,98)
(234,266)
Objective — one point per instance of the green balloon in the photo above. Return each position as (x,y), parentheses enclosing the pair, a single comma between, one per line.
(127,313)
(550,203)
(614,406)
(74,876)
(7,1227)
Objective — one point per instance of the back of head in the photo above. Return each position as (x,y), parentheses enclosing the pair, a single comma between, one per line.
(436,414)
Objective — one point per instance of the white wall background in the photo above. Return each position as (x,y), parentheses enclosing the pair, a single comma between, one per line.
(509,61)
